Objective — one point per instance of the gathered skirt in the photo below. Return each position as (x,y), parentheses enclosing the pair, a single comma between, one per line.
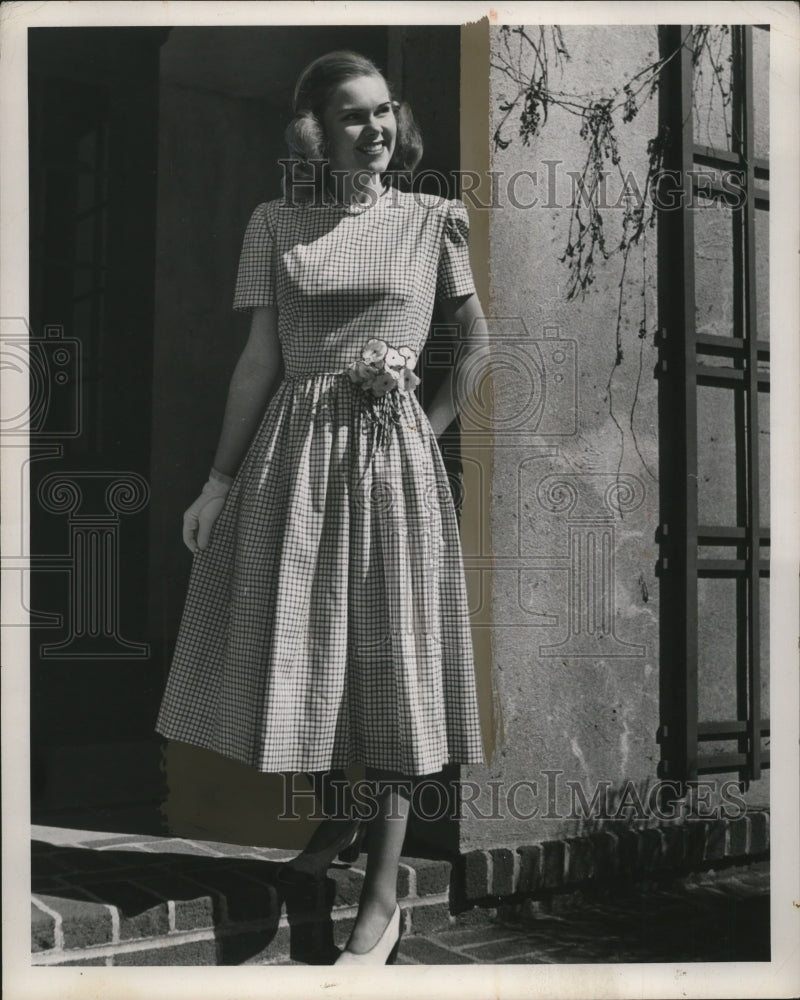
(326,623)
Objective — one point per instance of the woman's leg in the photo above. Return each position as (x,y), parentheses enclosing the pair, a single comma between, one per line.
(386,834)
(332,792)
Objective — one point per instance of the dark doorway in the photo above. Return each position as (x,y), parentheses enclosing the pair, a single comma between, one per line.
(149,149)
(93,127)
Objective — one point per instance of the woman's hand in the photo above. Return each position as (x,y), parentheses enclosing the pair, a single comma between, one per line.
(253,382)
(200,517)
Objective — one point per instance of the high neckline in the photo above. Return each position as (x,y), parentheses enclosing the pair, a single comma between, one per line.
(358,208)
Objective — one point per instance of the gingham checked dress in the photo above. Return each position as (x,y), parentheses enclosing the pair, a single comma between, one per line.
(326,622)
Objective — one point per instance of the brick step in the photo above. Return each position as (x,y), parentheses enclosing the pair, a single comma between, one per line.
(144,900)
(137,907)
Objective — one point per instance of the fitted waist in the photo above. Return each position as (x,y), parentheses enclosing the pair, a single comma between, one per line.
(308,376)
(382,371)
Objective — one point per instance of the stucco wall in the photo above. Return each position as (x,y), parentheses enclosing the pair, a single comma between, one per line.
(573,488)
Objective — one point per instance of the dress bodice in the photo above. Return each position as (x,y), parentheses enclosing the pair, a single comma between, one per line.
(340,278)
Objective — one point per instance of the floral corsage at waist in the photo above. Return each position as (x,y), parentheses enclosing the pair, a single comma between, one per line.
(383,374)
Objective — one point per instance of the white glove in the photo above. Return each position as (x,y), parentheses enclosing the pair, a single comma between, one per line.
(200,517)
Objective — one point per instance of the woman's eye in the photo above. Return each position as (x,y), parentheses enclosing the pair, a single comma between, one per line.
(380,112)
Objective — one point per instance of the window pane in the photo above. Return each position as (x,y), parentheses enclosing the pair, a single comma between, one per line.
(717,453)
(713,269)
(763,457)
(761,92)
(764,597)
(716,646)
(762,273)
(712,87)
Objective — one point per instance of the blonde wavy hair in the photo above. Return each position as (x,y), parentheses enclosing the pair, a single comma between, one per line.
(305,170)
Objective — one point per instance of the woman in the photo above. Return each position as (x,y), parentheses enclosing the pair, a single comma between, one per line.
(326,621)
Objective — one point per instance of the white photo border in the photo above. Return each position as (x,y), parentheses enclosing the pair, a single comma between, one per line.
(778,978)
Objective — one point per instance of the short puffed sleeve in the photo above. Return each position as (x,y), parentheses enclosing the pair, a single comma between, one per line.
(255,280)
(454,277)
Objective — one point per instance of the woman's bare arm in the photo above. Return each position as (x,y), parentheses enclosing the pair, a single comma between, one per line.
(254,381)
(472,360)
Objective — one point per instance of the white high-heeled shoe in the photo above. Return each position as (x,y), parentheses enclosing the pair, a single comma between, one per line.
(383,952)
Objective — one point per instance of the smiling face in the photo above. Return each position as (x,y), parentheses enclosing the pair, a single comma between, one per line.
(360,125)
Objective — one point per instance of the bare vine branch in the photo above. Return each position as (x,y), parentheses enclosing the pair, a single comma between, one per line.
(527,66)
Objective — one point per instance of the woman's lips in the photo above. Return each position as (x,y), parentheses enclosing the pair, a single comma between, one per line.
(371,149)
